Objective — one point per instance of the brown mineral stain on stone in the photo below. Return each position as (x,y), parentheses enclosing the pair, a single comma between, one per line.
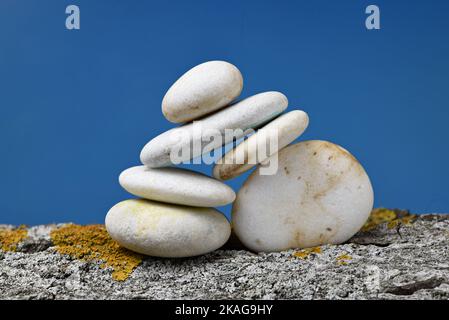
(10,238)
(332,182)
(334,178)
(296,239)
(227,171)
(337,153)
(93,243)
(289,220)
(393,218)
(305,253)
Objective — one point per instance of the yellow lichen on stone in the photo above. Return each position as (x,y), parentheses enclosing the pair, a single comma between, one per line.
(408,219)
(10,238)
(93,243)
(393,224)
(343,259)
(305,253)
(392,218)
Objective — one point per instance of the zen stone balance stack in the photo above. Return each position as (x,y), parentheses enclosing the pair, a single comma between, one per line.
(319,194)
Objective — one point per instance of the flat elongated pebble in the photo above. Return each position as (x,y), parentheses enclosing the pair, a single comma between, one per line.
(286,128)
(176,185)
(201,90)
(319,195)
(248,113)
(166,230)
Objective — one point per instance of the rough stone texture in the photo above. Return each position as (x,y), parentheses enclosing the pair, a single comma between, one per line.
(404,262)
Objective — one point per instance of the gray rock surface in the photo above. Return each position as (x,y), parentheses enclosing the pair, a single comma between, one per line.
(403,262)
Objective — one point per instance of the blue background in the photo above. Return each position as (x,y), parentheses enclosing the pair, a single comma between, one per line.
(78,106)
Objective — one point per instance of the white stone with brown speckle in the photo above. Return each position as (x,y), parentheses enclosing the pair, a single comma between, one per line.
(319,195)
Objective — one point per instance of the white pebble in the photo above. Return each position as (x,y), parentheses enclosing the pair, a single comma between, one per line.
(205,88)
(166,230)
(319,195)
(286,128)
(249,113)
(176,185)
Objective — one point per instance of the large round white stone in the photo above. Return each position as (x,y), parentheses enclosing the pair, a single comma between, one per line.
(205,88)
(176,185)
(166,230)
(248,113)
(284,130)
(319,195)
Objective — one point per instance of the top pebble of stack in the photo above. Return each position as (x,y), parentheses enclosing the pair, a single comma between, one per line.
(201,90)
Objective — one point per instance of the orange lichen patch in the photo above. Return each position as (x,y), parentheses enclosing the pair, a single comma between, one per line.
(10,238)
(408,219)
(305,253)
(343,259)
(93,243)
(392,218)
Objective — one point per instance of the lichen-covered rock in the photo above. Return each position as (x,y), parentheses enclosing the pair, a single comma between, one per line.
(396,256)
(11,237)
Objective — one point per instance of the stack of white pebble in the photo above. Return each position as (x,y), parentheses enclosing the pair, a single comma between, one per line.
(320,193)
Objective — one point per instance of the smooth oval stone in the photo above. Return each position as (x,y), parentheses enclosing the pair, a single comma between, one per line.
(166,230)
(248,113)
(320,195)
(176,185)
(288,127)
(205,88)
